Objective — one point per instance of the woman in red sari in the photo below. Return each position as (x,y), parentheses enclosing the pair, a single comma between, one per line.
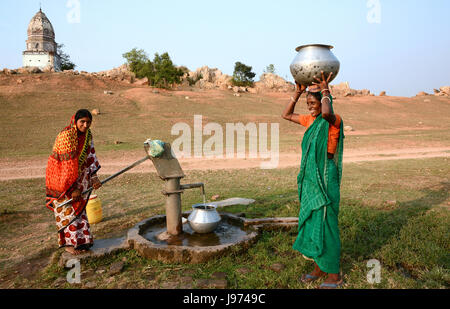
(71,169)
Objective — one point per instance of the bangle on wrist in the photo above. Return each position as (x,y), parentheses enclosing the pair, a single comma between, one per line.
(326,97)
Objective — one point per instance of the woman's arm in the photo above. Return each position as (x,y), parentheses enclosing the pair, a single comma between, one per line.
(288,112)
(327,110)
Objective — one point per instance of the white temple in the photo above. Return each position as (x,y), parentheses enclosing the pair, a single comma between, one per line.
(41,46)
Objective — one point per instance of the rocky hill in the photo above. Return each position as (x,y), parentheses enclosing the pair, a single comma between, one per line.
(208,79)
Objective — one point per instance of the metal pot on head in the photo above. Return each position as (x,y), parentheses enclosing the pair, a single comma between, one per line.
(311,60)
(204,218)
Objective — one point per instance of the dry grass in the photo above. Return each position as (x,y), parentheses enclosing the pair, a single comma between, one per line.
(37,110)
(409,235)
(398,234)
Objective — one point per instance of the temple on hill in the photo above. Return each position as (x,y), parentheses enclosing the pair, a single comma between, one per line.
(41,49)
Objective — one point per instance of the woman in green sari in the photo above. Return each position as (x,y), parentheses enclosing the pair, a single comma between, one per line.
(319,183)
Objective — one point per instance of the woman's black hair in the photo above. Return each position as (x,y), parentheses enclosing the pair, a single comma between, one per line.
(83,113)
(317,95)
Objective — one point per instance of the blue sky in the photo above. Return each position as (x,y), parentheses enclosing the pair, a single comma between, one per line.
(406,52)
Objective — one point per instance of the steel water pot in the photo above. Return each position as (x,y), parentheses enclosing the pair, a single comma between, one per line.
(204,218)
(311,60)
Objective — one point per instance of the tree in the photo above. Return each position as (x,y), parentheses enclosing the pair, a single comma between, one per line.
(138,62)
(242,75)
(270,69)
(66,64)
(165,73)
(161,72)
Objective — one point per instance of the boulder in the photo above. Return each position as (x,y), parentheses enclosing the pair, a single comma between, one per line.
(22,71)
(48,69)
(343,90)
(273,82)
(340,89)
(34,70)
(207,78)
(116,268)
(382,93)
(422,93)
(237,89)
(348,128)
(121,73)
(142,82)
(277,267)
(445,90)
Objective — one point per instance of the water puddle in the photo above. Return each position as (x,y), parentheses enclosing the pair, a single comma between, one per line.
(225,233)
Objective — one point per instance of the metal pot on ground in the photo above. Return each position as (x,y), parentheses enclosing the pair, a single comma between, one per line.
(204,218)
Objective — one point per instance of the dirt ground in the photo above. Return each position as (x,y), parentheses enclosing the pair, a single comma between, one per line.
(35,168)
(385,128)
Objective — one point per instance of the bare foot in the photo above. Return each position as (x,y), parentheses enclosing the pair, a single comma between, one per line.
(333,281)
(74,251)
(333,278)
(314,275)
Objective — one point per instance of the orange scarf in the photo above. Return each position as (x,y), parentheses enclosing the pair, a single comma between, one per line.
(63,168)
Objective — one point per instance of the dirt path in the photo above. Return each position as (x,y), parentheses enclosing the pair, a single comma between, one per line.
(35,168)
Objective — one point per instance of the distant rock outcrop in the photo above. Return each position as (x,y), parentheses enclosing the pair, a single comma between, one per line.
(273,82)
(121,73)
(343,90)
(207,78)
(441,92)
(213,78)
(444,91)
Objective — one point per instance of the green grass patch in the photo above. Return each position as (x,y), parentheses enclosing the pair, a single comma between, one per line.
(393,211)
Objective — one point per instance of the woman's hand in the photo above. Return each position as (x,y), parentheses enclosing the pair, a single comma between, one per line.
(323,84)
(76,195)
(96,183)
(288,112)
(299,88)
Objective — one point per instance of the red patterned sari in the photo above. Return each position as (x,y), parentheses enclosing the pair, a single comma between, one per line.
(70,167)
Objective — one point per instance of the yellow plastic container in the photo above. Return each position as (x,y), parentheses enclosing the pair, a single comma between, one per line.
(94,209)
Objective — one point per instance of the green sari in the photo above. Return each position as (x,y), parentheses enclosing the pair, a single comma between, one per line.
(319,194)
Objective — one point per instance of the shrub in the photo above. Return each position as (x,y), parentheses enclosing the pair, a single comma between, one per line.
(242,75)
(66,64)
(161,72)
(270,69)
(138,62)
(193,81)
